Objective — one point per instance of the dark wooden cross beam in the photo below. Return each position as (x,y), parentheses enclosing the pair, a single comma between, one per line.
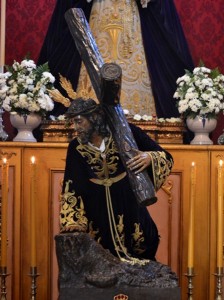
(106,81)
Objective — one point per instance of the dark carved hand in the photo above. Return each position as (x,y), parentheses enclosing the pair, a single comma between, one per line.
(139,162)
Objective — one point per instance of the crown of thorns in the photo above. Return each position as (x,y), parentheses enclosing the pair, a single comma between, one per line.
(81,106)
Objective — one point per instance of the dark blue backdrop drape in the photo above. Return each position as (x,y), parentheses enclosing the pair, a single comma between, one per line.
(166,50)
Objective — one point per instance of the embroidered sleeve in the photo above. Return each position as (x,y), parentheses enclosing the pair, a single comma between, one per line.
(161,167)
(72,213)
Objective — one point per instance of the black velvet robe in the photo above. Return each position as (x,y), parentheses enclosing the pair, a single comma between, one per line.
(84,204)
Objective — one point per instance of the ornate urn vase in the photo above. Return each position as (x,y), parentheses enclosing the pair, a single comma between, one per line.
(201,127)
(25,124)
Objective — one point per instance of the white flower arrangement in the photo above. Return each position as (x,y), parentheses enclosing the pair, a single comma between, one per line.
(138,117)
(58,118)
(169,120)
(24,88)
(200,93)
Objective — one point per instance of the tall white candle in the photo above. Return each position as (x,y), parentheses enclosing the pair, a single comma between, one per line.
(2,41)
(33,212)
(191,217)
(5,187)
(220,216)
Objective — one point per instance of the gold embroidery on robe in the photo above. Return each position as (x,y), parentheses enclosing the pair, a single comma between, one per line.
(138,239)
(161,167)
(72,213)
(120,237)
(93,233)
(97,160)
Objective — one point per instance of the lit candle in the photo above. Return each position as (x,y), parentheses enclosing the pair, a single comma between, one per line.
(2,44)
(5,187)
(32,211)
(220,216)
(191,217)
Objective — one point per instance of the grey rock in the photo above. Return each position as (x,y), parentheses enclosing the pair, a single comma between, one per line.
(83,263)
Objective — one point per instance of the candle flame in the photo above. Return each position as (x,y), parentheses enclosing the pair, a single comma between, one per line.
(33,159)
(221,162)
(4,160)
(193,164)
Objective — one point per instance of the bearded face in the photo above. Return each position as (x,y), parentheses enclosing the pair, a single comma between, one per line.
(83,128)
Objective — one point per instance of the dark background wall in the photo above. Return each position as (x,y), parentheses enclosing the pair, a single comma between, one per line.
(202,20)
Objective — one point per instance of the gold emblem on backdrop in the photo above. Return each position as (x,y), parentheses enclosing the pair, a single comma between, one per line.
(116,28)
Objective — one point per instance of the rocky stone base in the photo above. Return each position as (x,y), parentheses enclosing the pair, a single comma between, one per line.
(87,271)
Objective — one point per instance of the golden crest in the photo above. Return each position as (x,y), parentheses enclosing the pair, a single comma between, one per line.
(121,297)
(72,95)
(58,97)
(67,86)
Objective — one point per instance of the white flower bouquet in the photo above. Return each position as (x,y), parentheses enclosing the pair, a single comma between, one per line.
(147,118)
(200,93)
(25,88)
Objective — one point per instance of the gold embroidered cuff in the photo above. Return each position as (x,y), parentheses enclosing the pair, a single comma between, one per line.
(161,167)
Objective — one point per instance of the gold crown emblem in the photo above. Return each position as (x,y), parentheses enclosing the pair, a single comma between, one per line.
(121,297)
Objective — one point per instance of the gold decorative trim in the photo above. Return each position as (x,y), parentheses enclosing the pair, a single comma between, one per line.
(220,156)
(167,188)
(57,131)
(163,133)
(6,155)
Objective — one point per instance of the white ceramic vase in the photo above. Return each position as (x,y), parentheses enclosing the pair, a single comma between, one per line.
(25,125)
(201,127)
